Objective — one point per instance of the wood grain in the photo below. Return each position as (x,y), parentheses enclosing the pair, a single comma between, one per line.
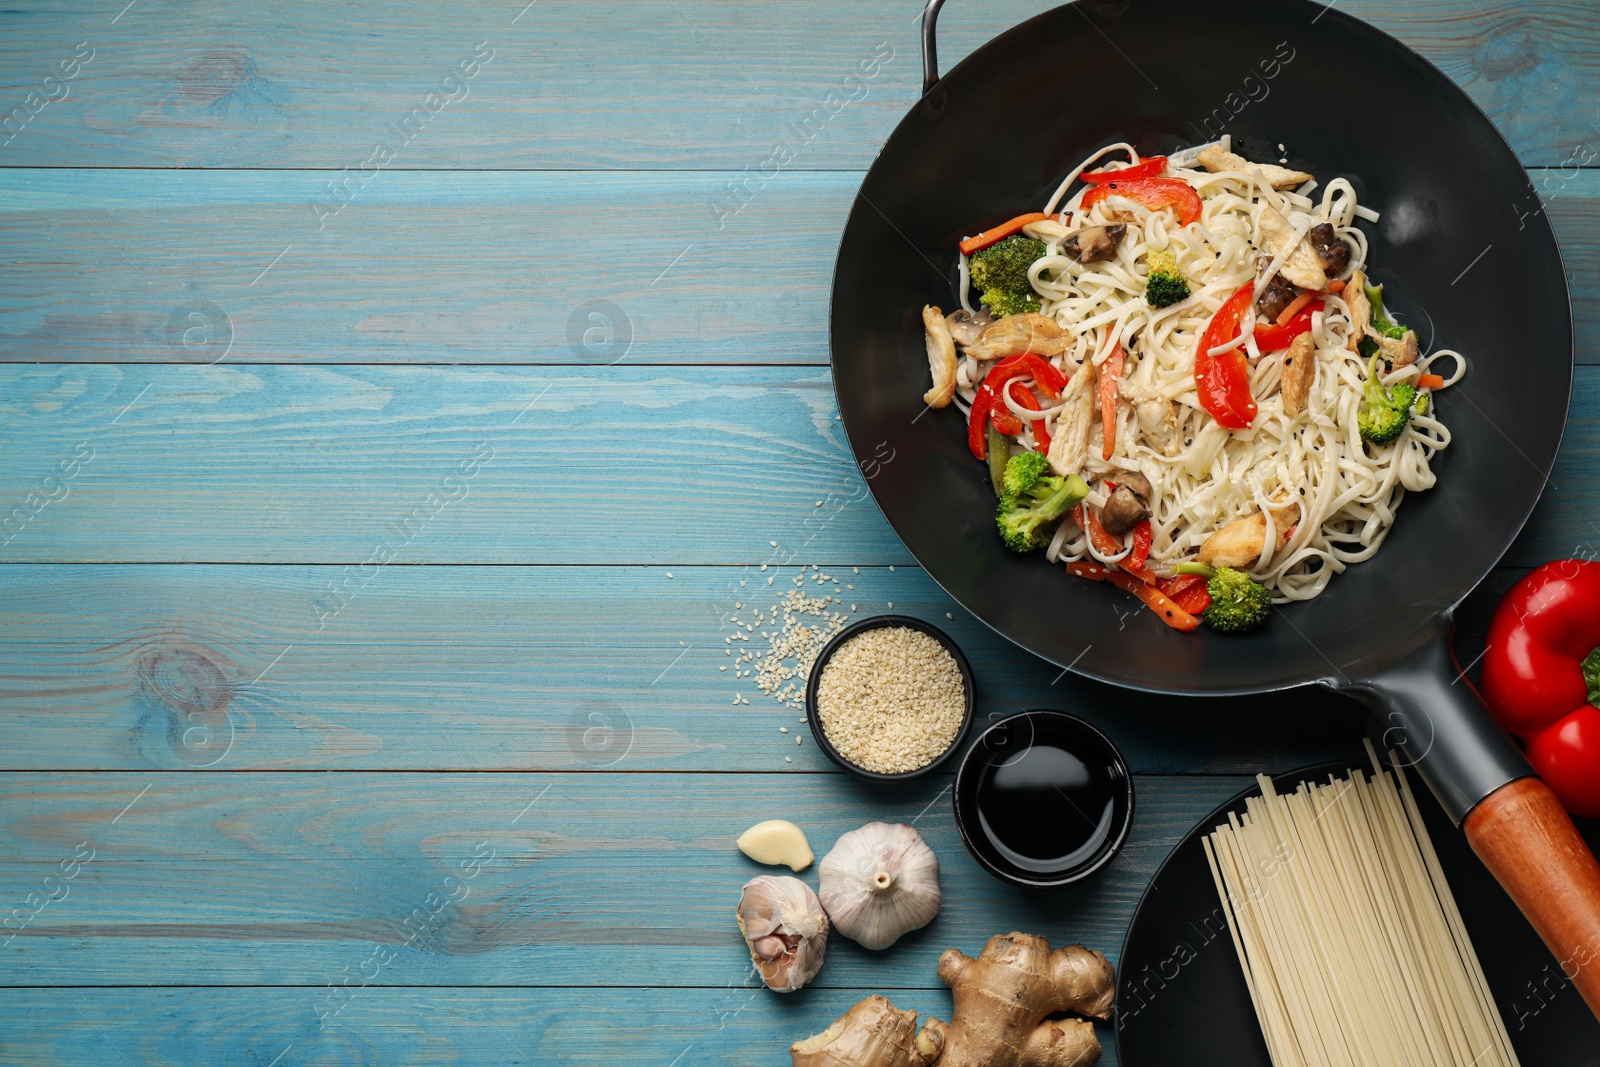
(628,83)
(472,465)
(470,267)
(595,880)
(509,668)
(432,1027)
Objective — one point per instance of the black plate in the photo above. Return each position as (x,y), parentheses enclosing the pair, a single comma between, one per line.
(1463,248)
(1181,997)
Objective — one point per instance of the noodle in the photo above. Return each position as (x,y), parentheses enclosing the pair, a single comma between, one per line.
(1351,943)
(1347,490)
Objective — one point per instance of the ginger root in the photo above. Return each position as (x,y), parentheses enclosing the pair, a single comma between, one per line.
(1004,997)
(873,1033)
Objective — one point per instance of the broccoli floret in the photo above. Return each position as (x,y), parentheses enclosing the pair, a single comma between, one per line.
(1238,601)
(1034,502)
(1387,411)
(1023,471)
(1380,319)
(1000,274)
(1166,284)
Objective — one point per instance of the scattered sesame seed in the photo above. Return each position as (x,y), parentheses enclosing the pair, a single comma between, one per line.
(763,566)
(819,503)
(723,667)
(891,603)
(948,615)
(891,568)
(856,569)
(669,574)
(774,544)
(788,759)
(798,740)
(783,729)
(769,581)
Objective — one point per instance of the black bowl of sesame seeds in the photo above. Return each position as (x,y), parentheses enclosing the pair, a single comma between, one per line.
(890,698)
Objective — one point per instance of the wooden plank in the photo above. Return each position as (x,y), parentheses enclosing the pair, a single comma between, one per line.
(732,1025)
(195,266)
(629,83)
(588,880)
(274,464)
(517,668)
(238,266)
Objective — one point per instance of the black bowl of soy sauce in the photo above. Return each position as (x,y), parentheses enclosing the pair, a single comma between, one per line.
(1043,799)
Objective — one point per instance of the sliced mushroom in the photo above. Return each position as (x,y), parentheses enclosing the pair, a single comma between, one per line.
(966,326)
(1094,243)
(1399,351)
(941,358)
(1239,544)
(1030,332)
(1158,420)
(1274,294)
(1330,248)
(1069,445)
(1128,505)
(1302,265)
(1355,298)
(1216,160)
(1299,371)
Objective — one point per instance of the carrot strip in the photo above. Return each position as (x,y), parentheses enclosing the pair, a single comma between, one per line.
(1005,229)
(1110,371)
(1103,541)
(1430,381)
(1156,601)
(1335,286)
(1092,571)
(1294,307)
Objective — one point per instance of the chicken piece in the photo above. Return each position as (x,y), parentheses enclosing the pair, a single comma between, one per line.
(1299,371)
(1029,332)
(965,326)
(1092,244)
(1128,505)
(1158,420)
(1331,248)
(1355,298)
(1069,443)
(1046,230)
(1302,265)
(1216,160)
(941,358)
(1399,351)
(1240,542)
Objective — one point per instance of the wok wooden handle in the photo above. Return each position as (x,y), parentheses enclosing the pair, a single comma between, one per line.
(1524,836)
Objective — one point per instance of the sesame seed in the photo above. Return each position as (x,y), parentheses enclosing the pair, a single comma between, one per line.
(891,699)
(763,566)
(774,544)
(891,603)
(788,759)
(783,729)
(948,615)
(669,574)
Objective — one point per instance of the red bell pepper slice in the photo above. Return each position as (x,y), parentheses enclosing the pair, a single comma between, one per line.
(1271,337)
(1026,399)
(987,404)
(1223,382)
(1143,535)
(1005,229)
(1153,193)
(1188,591)
(1149,167)
(1110,371)
(1541,676)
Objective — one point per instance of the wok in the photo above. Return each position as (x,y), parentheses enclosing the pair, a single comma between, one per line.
(1461,246)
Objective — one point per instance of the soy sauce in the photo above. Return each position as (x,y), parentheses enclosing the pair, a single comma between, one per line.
(1043,809)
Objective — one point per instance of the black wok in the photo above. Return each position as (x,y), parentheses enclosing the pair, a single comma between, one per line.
(1461,246)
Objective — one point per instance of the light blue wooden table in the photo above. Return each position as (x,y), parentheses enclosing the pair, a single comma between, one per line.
(373,519)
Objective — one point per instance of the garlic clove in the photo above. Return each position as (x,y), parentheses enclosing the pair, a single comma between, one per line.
(879,883)
(786,930)
(777,841)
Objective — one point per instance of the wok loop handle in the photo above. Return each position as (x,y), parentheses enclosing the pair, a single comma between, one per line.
(930,45)
(1424,706)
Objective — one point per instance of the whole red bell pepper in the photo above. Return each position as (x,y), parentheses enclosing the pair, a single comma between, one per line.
(1223,382)
(1541,676)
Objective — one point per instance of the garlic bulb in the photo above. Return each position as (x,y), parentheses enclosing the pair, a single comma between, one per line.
(880,882)
(786,929)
